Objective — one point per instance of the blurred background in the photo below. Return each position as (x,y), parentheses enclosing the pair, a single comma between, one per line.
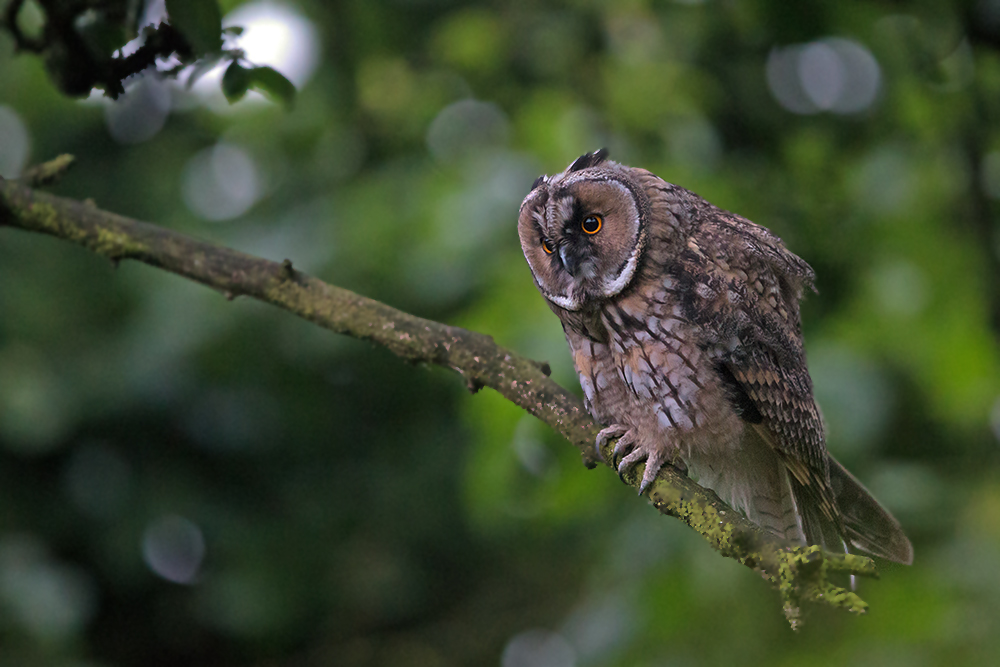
(189,481)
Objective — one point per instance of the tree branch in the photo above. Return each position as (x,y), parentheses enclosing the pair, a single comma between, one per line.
(799,573)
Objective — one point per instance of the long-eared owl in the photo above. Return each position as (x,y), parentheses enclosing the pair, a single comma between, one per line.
(683,322)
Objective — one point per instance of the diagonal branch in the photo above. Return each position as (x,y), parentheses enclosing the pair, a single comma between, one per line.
(799,573)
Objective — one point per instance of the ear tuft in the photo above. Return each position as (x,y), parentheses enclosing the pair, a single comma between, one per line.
(539,181)
(589,160)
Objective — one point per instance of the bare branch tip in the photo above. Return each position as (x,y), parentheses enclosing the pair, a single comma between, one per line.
(47,173)
(543,366)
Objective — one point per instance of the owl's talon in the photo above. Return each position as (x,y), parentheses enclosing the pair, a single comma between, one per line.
(633,458)
(623,448)
(654,460)
(605,434)
(648,478)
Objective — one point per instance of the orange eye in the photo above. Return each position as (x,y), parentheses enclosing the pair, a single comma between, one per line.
(548,247)
(592,224)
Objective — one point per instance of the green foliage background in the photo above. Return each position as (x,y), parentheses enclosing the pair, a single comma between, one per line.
(360,511)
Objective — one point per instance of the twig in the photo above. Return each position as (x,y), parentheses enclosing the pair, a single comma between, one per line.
(47,173)
(801,574)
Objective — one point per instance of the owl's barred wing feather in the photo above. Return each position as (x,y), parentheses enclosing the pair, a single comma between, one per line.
(783,398)
(743,287)
(834,507)
(791,425)
(778,403)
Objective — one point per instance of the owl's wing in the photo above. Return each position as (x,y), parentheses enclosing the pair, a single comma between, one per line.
(748,287)
(740,283)
(834,507)
(777,400)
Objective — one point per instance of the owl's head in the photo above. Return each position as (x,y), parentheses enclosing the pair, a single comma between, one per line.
(583,231)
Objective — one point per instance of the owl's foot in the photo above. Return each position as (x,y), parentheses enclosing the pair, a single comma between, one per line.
(605,434)
(655,458)
(632,453)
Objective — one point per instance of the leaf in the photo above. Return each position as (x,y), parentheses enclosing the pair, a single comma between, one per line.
(235,82)
(101,37)
(272,83)
(200,21)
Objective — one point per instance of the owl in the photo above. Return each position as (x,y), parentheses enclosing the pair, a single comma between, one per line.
(683,323)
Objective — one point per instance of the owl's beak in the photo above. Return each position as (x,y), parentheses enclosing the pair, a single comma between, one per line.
(578,263)
(569,261)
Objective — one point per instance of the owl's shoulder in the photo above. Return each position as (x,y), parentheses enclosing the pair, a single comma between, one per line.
(730,239)
(734,279)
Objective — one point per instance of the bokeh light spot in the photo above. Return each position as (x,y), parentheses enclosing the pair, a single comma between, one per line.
(995,419)
(856,397)
(694,142)
(530,449)
(14,143)
(538,648)
(990,178)
(464,127)
(51,600)
(35,406)
(907,487)
(598,626)
(228,420)
(140,113)
(274,34)
(884,182)
(220,183)
(635,37)
(386,86)
(174,548)
(821,73)
(97,480)
(277,35)
(900,288)
(832,74)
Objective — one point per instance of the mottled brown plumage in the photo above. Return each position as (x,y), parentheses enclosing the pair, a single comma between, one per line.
(683,322)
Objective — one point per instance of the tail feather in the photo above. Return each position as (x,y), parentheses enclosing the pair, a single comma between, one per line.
(773,506)
(868,526)
(756,481)
(792,525)
(864,524)
(817,527)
